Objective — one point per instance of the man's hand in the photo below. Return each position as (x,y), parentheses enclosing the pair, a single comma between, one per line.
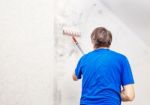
(74,77)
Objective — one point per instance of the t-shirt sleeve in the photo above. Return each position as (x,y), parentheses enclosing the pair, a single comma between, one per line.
(78,70)
(126,75)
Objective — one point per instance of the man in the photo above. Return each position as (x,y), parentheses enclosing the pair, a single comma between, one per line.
(104,72)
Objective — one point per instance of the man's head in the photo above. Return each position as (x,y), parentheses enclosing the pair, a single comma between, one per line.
(101,37)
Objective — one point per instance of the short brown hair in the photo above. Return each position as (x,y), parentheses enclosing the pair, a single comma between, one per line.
(101,37)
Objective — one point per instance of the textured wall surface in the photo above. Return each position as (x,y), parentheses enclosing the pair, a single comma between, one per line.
(26,47)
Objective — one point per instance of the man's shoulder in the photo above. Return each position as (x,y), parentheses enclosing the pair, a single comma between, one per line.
(118,54)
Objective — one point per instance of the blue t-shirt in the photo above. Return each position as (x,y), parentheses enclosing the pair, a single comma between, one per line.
(103,72)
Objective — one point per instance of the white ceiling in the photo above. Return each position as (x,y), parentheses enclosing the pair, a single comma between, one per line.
(134,13)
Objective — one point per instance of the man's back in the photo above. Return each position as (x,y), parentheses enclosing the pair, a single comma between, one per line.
(103,71)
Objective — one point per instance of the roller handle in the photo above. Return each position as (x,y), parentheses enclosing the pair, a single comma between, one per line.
(77,44)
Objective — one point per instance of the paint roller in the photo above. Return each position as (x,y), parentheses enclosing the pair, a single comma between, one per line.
(73,34)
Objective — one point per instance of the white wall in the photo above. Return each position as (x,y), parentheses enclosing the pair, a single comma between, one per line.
(135,13)
(26,52)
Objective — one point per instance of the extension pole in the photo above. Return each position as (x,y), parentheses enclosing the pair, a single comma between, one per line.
(77,44)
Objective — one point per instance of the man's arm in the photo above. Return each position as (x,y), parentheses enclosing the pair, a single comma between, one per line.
(128,94)
(74,77)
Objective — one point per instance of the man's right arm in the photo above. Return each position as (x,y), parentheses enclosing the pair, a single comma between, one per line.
(74,77)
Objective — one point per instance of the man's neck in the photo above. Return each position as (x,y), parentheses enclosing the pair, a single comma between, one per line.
(101,48)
